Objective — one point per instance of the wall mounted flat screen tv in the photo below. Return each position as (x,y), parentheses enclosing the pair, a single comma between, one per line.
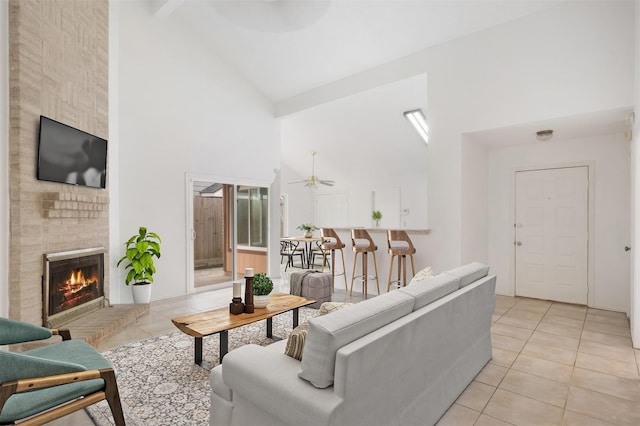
(69,155)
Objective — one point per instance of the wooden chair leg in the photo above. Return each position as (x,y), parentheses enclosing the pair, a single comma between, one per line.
(365,278)
(390,273)
(333,269)
(353,274)
(344,271)
(413,267)
(375,266)
(404,270)
(113,396)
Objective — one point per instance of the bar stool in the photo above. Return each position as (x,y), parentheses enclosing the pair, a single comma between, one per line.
(361,242)
(331,242)
(399,244)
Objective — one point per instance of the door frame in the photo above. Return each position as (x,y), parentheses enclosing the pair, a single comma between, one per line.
(189,228)
(590,219)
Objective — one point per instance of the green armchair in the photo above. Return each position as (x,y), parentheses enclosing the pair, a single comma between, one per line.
(49,382)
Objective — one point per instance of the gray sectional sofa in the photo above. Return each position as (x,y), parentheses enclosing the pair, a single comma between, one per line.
(401,358)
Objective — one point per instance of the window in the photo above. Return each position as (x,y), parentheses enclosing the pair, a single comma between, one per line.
(253,216)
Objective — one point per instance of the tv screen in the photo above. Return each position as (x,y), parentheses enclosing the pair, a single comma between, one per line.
(69,155)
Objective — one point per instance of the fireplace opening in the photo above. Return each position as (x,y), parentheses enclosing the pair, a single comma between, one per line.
(73,284)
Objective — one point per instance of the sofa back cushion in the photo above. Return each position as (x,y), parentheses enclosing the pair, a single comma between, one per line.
(329,333)
(431,289)
(469,273)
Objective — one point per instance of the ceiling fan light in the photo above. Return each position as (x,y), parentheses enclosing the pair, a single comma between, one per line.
(419,121)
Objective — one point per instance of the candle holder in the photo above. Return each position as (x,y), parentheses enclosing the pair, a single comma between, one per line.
(236,307)
(248,291)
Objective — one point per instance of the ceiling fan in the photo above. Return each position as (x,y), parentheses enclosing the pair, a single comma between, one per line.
(313,180)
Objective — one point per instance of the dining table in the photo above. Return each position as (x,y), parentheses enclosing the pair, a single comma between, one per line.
(308,245)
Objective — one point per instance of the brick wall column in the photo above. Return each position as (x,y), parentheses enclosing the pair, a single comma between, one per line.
(58,57)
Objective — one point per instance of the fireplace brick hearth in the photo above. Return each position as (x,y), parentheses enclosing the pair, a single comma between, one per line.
(98,325)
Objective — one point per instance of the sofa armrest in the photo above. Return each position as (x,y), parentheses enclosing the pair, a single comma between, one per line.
(269,378)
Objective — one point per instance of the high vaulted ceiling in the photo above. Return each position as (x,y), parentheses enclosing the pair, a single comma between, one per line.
(287,47)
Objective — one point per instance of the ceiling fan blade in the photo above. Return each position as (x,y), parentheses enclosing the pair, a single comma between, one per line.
(313,181)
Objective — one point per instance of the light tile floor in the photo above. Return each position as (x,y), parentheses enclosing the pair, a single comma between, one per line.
(553,363)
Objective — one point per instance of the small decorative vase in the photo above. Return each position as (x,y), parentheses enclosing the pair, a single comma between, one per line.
(260,302)
(308,234)
(377,223)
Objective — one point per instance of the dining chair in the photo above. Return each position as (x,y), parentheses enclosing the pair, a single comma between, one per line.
(290,250)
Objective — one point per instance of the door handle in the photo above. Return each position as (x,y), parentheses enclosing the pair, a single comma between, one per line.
(518,243)
(627,248)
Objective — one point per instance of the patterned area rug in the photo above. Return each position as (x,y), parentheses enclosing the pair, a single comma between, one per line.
(159,383)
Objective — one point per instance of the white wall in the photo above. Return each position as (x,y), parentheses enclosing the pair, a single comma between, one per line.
(300,199)
(180,110)
(374,155)
(610,157)
(563,61)
(635,197)
(474,227)
(4,159)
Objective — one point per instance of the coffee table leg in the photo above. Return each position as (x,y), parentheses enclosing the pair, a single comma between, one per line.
(224,344)
(198,351)
(295,318)
(269,328)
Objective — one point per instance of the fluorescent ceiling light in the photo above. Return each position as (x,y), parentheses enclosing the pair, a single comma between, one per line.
(417,118)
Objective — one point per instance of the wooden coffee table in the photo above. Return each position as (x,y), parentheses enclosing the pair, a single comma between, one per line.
(221,321)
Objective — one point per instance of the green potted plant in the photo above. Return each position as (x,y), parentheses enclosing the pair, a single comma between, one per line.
(262,286)
(308,229)
(141,248)
(376,215)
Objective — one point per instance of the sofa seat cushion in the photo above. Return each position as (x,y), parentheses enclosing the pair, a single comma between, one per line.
(431,289)
(328,333)
(469,273)
(70,352)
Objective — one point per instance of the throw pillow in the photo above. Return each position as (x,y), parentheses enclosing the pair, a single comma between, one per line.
(328,307)
(296,340)
(424,274)
(298,337)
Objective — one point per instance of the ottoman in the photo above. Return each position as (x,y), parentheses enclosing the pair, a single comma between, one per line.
(317,286)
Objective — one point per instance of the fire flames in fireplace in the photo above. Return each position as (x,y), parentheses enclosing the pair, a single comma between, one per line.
(72,280)
(78,287)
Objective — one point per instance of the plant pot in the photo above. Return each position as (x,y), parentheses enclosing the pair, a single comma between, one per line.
(260,302)
(141,293)
(308,234)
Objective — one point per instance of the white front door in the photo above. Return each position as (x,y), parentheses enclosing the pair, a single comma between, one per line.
(551,234)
